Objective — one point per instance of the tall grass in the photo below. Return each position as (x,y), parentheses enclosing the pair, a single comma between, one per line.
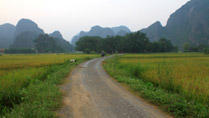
(186,75)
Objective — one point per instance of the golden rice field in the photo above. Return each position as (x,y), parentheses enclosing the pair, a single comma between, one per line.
(185,73)
(18,71)
(13,62)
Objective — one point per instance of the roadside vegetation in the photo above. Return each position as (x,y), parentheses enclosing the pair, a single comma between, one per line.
(176,82)
(28,83)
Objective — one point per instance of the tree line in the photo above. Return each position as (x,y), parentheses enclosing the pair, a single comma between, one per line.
(196,48)
(135,42)
(43,44)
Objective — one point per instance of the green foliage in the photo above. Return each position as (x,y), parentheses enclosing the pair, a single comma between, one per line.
(40,98)
(46,44)
(65,45)
(19,51)
(206,51)
(163,45)
(193,48)
(135,42)
(89,44)
(32,92)
(112,44)
(168,100)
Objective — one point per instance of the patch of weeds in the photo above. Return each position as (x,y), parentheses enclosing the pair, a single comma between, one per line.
(42,96)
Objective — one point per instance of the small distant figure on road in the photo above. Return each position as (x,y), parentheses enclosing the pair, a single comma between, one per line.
(103,54)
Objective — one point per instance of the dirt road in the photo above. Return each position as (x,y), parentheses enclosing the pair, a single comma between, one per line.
(91,93)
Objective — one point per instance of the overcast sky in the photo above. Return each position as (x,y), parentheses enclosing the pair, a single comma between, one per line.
(72,16)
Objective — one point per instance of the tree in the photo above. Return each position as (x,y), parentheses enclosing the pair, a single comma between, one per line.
(112,44)
(20,51)
(186,47)
(165,45)
(89,44)
(46,44)
(135,43)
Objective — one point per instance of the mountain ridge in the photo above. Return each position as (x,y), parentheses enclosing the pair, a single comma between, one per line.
(188,24)
(6,35)
(102,32)
(24,33)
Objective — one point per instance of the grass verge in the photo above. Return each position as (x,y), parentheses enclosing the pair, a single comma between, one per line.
(42,96)
(173,103)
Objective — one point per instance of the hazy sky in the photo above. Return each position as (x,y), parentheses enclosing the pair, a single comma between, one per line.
(72,16)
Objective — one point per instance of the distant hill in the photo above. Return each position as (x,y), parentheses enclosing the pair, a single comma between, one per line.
(61,41)
(102,32)
(189,24)
(26,32)
(155,31)
(6,35)
(121,29)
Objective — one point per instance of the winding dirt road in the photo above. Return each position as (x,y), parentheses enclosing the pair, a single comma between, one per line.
(91,93)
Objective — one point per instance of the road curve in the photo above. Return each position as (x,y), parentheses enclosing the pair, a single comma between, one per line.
(91,93)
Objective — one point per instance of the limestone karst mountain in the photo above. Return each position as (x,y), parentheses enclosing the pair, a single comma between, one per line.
(6,35)
(189,24)
(102,32)
(62,42)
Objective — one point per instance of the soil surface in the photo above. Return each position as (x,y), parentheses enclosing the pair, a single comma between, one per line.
(91,93)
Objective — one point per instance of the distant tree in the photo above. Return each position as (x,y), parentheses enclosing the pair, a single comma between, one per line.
(112,44)
(46,44)
(156,47)
(195,48)
(163,45)
(206,50)
(89,44)
(19,51)
(186,47)
(136,42)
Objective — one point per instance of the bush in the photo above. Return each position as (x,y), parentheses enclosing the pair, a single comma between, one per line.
(206,50)
(19,51)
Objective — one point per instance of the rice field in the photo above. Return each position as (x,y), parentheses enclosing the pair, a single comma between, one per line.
(10,62)
(17,72)
(187,74)
(177,83)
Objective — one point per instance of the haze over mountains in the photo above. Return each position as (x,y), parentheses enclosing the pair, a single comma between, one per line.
(189,24)
(102,32)
(6,35)
(24,33)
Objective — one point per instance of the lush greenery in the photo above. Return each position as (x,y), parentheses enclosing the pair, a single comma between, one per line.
(193,48)
(178,83)
(28,83)
(206,51)
(46,44)
(135,42)
(19,51)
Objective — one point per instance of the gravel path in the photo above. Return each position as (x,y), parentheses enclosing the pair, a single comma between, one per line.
(91,93)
